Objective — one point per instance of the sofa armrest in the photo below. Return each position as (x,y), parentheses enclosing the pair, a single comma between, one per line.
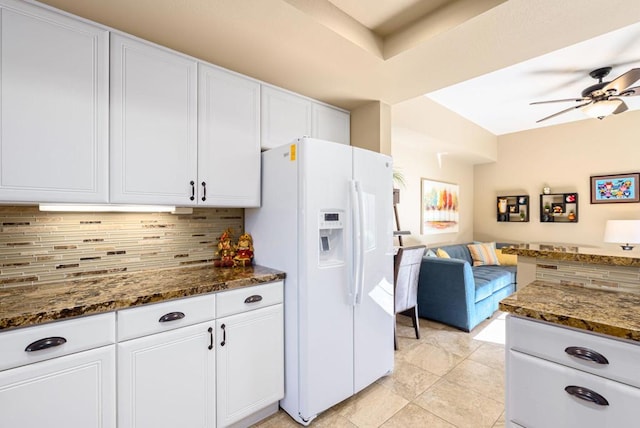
(446,291)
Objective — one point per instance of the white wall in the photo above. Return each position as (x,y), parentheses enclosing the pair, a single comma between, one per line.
(415,162)
(564,157)
(421,129)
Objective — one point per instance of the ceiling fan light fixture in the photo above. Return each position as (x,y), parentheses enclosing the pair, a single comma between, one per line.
(601,109)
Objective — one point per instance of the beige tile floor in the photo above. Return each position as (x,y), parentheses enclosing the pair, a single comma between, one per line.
(446,379)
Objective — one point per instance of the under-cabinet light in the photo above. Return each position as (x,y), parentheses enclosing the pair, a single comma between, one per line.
(115,208)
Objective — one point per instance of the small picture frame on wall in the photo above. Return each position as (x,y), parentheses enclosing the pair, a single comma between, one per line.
(615,188)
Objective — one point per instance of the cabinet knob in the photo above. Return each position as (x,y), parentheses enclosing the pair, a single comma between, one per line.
(47,342)
(586,394)
(586,354)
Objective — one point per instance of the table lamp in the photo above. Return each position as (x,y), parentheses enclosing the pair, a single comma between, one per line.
(622,232)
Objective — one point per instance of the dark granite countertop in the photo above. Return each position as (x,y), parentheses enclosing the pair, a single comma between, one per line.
(30,305)
(611,313)
(593,255)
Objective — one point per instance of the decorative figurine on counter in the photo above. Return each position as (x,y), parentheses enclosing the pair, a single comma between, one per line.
(225,253)
(244,250)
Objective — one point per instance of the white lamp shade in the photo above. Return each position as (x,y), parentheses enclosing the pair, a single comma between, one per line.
(622,231)
(600,109)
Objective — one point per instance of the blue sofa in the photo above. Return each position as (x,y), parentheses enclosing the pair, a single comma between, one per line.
(454,292)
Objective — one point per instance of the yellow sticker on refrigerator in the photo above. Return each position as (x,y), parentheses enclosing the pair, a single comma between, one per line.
(292,153)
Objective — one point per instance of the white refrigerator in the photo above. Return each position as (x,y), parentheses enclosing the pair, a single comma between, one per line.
(326,221)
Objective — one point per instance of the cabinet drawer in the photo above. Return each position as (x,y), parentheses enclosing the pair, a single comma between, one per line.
(537,396)
(554,343)
(248,298)
(55,339)
(158,317)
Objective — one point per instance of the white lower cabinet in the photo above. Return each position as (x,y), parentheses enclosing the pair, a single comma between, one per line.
(553,395)
(562,377)
(168,379)
(75,391)
(250,363)
(170,364)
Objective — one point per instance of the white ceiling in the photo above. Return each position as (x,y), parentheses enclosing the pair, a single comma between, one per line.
(349,52)
(499,101)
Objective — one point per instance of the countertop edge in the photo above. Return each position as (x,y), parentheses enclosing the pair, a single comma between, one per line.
(122,300)
(574,257)
(565,318)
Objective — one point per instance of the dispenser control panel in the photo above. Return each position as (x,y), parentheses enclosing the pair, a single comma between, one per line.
(330,237)
(331,220)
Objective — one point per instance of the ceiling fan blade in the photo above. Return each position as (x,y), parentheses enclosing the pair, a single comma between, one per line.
(563,111)
(621,108)
(577,100)
(623,81)
(630,92)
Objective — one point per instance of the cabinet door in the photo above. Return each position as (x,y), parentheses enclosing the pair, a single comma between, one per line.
(76,390)
(54,102)
(545,394)
(250,363)
(285,117)
(167,379)
(153,124)
(331,124)
(228,139)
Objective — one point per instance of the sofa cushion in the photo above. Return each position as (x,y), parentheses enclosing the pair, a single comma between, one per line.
(489,279)
(459,251)
(483,254)
(442,254)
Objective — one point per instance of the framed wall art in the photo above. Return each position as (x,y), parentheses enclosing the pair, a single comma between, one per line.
(615,188)
(439,207)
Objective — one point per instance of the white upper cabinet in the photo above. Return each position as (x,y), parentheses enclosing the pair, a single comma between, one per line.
(228,139)
(54,107)
(153,124)
(285,117)
(331,124)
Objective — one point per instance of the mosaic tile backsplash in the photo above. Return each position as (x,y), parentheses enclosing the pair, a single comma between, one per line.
(41,247)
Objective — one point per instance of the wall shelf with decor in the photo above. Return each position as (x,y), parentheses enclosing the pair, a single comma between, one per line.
(513,208)
(559,208)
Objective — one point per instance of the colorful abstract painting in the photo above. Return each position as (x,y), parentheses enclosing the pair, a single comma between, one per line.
(440,204)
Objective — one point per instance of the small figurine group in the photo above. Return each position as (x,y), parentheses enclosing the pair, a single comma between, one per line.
(229,255)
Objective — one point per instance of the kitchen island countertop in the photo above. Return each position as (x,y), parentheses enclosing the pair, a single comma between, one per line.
(31,305)
(571,253)
(611,313)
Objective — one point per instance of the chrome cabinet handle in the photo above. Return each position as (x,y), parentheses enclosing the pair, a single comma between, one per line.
(586,394)
(586,354)
(224,335)
(253,299)
(47,342)
(204,191)
(172,316)
(193,190)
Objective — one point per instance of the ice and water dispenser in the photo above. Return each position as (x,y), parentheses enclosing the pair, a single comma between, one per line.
(331,237)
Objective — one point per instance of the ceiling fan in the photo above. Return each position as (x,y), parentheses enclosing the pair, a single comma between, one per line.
(603,98)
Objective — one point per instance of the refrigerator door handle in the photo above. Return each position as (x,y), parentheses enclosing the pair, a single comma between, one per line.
(359,283)
(357,253)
